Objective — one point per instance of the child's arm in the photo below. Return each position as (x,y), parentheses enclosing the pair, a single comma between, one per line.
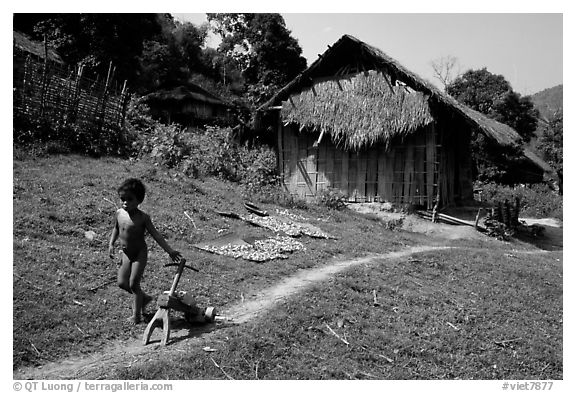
(113,237)
(175,255)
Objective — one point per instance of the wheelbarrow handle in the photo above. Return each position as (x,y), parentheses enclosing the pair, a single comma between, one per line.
(177,264)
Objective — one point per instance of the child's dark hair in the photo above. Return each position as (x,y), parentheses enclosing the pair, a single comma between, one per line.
(135,186)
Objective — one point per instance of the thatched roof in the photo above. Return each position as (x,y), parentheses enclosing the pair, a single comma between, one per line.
(532,156)
(363,109)
(23,43)
(350,56)
(189,92)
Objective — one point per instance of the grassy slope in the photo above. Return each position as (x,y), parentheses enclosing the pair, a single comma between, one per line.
(489,296)
(56,200)
(408,336)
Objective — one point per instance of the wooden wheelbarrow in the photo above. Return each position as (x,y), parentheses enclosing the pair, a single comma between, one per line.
(179,301)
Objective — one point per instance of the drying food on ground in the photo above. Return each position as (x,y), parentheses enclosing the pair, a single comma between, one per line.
(286,225)
(260,251)
(286,213)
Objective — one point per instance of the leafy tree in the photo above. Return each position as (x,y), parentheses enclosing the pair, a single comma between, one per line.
(171,58)
(188,42)
(262,48)
(518,112)
(155,66)
(224,72)
(493,96)
(551,146)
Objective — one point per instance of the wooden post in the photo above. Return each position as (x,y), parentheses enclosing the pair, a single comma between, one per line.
(516,216)
(408,177)
(352,174)
(361,169)
(344,174)
(477,218)
(280,158)
(435,209)
(372,175)
(499,216)
(507,213)
(430,163)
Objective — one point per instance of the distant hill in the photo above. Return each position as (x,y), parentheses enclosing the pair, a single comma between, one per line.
(548,101)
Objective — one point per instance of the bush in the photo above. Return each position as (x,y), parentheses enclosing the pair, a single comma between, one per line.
(208,152)
(537,200)
(257,167)
(211,151)
(331,198)
(197,153)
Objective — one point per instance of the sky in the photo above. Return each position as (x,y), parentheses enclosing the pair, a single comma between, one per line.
(526,48)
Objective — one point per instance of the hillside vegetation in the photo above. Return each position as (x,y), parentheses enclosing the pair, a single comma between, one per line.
(549,101)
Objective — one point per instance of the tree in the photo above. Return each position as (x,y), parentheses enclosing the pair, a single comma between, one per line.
(262,48)
(446,69)
(493,96)
(94,39)
(551,146)
(149,50)
(173,57)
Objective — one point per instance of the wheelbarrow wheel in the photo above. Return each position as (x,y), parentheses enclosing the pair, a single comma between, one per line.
(207,316)
(210,314)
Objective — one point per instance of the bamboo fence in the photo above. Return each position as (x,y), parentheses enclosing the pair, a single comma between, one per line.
(55,92)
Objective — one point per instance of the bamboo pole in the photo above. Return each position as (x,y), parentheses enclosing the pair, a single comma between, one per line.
(101,110)
(44,76)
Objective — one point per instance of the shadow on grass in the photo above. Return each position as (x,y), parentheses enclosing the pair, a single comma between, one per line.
(551,238)
(181,330)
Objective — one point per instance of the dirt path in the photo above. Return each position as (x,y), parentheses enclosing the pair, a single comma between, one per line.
(266,299)
(122,354)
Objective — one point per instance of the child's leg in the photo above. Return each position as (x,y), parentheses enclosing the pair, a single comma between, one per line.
(124,273)
(136,273)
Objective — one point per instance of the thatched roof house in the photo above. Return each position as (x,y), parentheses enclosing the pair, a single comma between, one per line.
(25,46)
(26,51)
(359,122)
(187,105)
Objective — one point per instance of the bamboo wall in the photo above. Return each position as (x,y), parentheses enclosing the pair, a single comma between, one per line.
(407,173)
(56,93)
(455,184)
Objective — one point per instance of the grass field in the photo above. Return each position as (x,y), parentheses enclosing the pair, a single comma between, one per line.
(486,310)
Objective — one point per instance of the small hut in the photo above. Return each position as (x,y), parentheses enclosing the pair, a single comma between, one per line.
(359,122)
(25,49)
(188,105)
(23,46)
